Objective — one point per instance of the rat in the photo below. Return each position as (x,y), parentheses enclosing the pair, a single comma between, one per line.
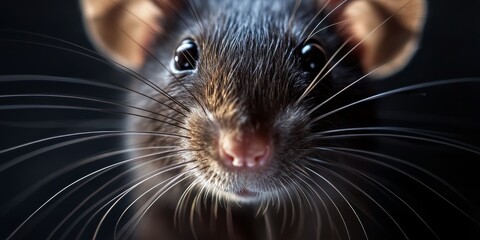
(236,93)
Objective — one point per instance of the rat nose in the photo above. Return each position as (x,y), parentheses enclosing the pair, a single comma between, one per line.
(245,150)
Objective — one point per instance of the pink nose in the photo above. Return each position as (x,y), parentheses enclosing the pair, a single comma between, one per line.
(247,150)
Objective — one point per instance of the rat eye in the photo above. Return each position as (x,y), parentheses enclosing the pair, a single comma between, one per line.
(313,57)
(186,55)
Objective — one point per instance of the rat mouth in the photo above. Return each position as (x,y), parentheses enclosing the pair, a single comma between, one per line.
(244,195)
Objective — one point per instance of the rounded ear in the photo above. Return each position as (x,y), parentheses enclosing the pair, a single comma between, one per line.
(387,32)
(123,29)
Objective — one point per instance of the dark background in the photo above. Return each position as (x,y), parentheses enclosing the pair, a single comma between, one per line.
(449,50)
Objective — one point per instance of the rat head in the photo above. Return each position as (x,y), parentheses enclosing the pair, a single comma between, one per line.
(239,79)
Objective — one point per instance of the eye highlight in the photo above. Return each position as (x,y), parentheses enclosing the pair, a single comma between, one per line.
(313,57)
(186,55)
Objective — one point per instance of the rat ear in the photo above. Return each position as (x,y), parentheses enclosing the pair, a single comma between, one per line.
(124,29)
(387,31)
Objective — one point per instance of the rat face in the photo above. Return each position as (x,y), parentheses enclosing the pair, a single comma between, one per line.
(247,130)
(240,83)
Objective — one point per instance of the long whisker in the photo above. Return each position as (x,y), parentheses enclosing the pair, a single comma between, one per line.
(98,203)
(351,50)
(404,136)
(348,151)
(194,206)
(358,172)
(334,204)
(399,90)
(100,134)
(331,25)
(345,199)
(317,215)
(123,194)
(435,136)
(142,179)
(325,17)
(315,81)
(31,189)
(194,9)
(63,96)
(344,89)
(169,180)
(314,17)
(268,227)
(91,54)
(41,78)
(49,106)
(63,190)
(294,12)
(318,77)
(169,71)
(180,209)
(158,195)
(76,134)
(365,194)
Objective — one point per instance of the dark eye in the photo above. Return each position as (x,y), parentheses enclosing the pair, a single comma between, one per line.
(186,55)
(313,57)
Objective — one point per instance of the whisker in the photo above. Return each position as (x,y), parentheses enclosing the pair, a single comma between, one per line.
(41,78)
(194,9)
(102,220)
(347,151)
(85,133)
(169,180)
(403,136)
(300,189)
(115,200)
(63,190)
(365,194)
(315,81)
(423,133)
(98,203)
(294,12)
(399,90)
(325,17)
(291,202)
(194,206)
(333,202)
(344,89)
(100,134)
(317,215)
(346,201)
(329,26)
(317,78)
(102,110)
(351,50)
(63,96)
(358,172)
(35,187)
(314,17)
(169,71)
(158,195)
(95,56)
(180,209)
(230,226)
(268,227)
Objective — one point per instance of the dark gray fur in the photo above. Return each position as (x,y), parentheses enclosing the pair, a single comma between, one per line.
(249,61)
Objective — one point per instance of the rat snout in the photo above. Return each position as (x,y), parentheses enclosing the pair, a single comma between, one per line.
(245,150)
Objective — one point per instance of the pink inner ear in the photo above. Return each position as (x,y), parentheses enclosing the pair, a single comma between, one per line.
(385,31)
(124,30)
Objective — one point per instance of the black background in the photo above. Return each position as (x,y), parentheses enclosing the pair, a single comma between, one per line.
(449,50)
